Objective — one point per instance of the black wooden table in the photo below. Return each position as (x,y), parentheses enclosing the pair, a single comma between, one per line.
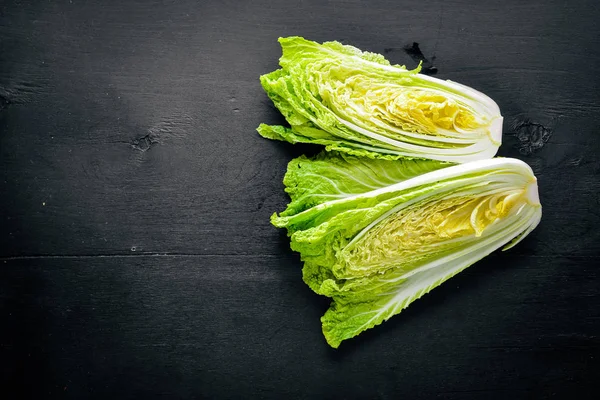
(136,255)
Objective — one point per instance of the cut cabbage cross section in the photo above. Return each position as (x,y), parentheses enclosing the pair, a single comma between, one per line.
(374,242)
(356,102)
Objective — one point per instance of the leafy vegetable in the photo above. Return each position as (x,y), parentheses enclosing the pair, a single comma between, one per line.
(375,235)
(356,102)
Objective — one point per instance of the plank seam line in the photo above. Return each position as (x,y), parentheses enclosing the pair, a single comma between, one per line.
(76,256)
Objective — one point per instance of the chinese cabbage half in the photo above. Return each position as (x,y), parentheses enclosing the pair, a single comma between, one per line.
(356,102)
(375,235)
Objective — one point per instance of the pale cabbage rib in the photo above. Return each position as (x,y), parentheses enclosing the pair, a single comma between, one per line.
(349,266)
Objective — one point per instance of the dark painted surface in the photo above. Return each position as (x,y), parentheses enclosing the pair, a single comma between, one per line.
(137,259)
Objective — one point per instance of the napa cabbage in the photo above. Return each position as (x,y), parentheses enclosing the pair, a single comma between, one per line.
(357,102)
(375,235)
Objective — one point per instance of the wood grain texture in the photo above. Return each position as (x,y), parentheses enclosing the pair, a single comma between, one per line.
(235,326)
(136,254)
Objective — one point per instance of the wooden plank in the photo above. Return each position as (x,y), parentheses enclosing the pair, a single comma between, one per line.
(117,139)
(246,327)
(136,255)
